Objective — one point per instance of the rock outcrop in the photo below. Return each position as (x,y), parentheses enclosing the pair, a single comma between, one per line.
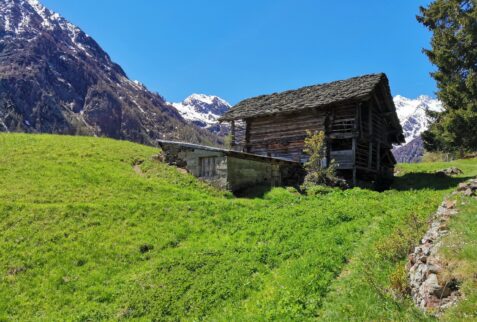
(411,152)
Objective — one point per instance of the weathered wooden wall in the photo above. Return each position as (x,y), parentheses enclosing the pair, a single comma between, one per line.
(357,136)
(283,135)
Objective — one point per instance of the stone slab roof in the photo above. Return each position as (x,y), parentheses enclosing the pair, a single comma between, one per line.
(349,90)
(228,152)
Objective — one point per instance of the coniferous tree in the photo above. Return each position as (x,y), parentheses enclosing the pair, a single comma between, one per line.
(453,24)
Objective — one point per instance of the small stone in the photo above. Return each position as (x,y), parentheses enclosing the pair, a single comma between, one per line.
(450,204)
(468,192)
(462,186)
(431,284)
(452,171)
(443,226)
(434,269)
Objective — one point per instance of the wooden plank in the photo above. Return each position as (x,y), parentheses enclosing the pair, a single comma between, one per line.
(370,120)
(232,132)
(354,160)
(343,135)
(370,155)
(378,159)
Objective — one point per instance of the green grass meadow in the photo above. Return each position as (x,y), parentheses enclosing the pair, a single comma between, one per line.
(86,237)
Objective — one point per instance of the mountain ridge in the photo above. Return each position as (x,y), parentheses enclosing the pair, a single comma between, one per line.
(57,79)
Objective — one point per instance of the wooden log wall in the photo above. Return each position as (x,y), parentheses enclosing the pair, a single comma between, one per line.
(372,146)
(283,135)
(343,119)
(361,126)
(239,135)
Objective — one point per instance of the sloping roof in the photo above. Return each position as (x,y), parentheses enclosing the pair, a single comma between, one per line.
(352,89)
(164,144)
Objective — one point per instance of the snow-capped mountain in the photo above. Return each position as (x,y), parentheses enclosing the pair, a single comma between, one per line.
(204,111)
(54,78)
(412,114)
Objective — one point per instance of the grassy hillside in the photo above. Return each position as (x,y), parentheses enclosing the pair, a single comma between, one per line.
(97,229)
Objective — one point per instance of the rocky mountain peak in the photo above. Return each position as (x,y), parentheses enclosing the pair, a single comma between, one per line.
(412,114)
(207,103)
(204,111)
(55,78)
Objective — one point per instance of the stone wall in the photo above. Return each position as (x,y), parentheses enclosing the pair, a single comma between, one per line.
(433,287)
(243,173)
(233,170)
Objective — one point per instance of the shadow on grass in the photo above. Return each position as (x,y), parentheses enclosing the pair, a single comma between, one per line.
(253,192)
(422,180)
(409,181)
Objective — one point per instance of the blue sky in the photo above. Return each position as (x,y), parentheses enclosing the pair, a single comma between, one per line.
(241,48)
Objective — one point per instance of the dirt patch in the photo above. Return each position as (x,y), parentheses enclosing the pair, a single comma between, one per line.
(138,170)
(136,165)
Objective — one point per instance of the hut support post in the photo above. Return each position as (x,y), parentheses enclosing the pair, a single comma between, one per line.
(247,135)
(354,161)
(356,120)
(378,158)
(370,155)
(232,133)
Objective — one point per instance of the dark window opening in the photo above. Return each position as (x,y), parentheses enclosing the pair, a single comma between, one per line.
(207,166)
(365,113)
(341,144)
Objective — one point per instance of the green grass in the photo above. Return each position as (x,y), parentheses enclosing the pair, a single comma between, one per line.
(83,236)
(460,252)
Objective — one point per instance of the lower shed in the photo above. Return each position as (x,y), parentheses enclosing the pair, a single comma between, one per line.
(232,170)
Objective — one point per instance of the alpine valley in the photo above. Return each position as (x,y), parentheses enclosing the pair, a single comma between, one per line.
(54,78)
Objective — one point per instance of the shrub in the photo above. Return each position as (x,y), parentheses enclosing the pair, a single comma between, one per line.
(437,157)
(318,172)
(399,282)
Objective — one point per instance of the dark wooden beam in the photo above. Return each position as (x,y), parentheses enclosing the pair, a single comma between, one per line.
(348,135)
(232,133)
(354,161)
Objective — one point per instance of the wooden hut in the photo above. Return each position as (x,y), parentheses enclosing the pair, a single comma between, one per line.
(357,115)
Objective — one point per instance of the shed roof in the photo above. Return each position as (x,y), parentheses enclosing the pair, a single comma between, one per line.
(349,90)
(228,152)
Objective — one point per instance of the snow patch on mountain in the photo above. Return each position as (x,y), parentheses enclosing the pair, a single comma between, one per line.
(414,121)
(203,110)
(412,114)
(28,19)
